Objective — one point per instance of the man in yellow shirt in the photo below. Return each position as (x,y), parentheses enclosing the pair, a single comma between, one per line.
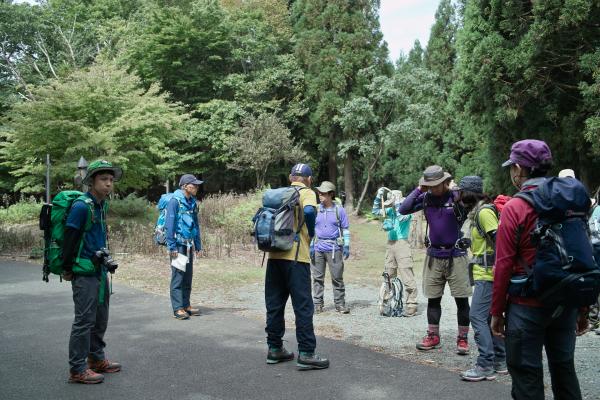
(288,274)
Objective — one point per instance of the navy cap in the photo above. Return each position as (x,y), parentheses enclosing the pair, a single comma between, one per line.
(471,183)
(301,170)
(188,179)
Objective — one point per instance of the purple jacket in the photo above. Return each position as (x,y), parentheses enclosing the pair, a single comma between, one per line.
(444,229)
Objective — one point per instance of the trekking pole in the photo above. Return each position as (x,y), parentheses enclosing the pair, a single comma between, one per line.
(45,226)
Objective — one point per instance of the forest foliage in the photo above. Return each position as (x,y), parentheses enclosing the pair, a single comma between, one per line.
(238,90)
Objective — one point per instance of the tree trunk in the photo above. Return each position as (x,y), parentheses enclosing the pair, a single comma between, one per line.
(349,183)
(369,172)
(332,160)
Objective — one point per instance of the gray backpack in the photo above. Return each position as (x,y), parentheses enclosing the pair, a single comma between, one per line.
(274,221)
(390,297)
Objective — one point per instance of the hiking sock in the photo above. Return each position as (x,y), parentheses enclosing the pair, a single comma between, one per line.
(463,331)
(434,311)
(462,312)
(434,329)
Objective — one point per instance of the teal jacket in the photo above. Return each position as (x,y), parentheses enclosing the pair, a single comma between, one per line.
(395,224)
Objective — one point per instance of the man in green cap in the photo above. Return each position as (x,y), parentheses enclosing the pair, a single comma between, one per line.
(86,264)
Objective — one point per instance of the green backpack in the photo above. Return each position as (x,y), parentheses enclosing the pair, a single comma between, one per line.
(53,219)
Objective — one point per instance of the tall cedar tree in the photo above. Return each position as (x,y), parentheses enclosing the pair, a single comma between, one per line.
(334,40)
(520,74)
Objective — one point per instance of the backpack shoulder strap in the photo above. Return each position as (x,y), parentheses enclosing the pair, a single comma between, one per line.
(488,239)
(91,215)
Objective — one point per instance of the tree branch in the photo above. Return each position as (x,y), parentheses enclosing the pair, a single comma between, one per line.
(40,45)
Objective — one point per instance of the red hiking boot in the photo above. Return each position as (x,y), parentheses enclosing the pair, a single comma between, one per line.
(104,366)
(462,345)
(430,341)
(88,376)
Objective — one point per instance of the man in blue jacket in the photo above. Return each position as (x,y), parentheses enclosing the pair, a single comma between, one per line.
(183,237)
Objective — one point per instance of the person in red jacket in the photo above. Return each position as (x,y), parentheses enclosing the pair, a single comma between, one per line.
(529,326)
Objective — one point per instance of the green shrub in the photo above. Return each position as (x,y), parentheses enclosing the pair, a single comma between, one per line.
(26,210)
(132,207)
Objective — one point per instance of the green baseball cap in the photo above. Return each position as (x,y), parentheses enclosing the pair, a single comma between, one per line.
(98,166)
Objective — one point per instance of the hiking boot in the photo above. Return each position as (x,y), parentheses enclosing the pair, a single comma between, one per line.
(88,376)
(308,361)
(410,312)
(192,312)
(500,368)
(104,366)
(343,309)
(318,308)
(430,341)
(462,345)
(275,356)
(181,314)
(478,374)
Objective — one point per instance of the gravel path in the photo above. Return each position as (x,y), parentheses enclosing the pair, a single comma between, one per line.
(397,336)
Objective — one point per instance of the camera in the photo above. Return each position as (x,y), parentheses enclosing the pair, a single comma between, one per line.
(102,258)
(463,243)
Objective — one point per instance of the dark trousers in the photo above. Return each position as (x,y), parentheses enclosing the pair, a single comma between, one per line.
(528,330)
(181,282)
(90,322)
(284,279)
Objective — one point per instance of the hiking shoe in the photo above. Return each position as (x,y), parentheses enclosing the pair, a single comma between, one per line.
(192,312)
(500,368)
(430,341)
(318,308)
(104,366)
(88,376)
(478,374)
(342,309)
(308,361)
(462,345)
(181,314)
(410,312)
(275,356)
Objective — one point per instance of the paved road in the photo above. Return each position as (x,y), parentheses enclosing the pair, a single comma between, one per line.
(216,356)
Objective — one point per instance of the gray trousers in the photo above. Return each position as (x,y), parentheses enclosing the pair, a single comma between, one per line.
(336,270)
(491,348)
(89,324)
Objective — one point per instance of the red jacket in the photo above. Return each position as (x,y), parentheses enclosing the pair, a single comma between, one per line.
(517,215)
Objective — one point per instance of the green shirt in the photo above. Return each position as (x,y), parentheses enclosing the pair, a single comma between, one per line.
(489,222)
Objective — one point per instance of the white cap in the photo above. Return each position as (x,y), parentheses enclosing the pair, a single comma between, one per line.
(566,173)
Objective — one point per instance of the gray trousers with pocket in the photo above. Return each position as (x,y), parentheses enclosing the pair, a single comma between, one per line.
(336,270)
(90,322)
(491,348)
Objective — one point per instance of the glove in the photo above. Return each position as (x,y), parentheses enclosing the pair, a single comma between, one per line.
(380,192)
(346,252)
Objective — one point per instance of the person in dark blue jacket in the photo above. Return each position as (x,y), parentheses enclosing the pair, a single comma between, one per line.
(183,237)
(89,275)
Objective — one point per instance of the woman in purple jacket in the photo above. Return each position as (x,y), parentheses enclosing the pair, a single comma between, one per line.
(446,259)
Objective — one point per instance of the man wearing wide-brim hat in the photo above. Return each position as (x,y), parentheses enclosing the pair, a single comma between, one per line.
(398,260)
(446,259)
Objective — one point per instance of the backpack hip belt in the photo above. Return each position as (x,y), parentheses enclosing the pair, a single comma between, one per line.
(486,261)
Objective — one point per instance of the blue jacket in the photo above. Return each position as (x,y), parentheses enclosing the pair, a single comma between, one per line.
(181,225)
